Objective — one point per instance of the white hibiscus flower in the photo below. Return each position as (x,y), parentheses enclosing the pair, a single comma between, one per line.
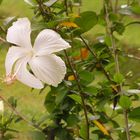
(35,65)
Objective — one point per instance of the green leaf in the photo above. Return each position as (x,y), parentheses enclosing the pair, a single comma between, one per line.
(136,9)
(125,102)
(113,17)
(36,135)
(12,101)
(72,120)
(91,90)
(83,131)
(86,21)
(76,98)
(63,134)
(135,114)
(59,97)
(108,41)
(49,102)
(86,77)
(119,78)
(118,27)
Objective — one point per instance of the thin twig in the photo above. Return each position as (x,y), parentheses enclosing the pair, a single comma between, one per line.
(80,91)
(19,114)
(117,68)
(128,2)
(116,6)
(3,40)
(42,11)
(132,56)
(66,7)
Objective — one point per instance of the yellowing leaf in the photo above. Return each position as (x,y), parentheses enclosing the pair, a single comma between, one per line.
(68,24)
(84,53)
(74,15)
(101,127)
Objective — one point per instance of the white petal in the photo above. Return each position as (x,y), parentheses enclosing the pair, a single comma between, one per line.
(50,69)
(30,2)
(50,3)
(1,106)
(24,76)
(48,41)
(14,53)
(19,33)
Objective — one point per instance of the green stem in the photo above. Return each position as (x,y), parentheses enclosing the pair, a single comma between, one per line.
(42,11)
(128,2)
(126,124)
(66,7)
(3,40)
(94,54)
(80,92)
(116,5)
(117,68)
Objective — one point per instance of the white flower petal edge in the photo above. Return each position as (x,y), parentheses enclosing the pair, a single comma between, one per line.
(14,53)
(48,41)
(45,66)
(1,106)
(19,33)
(50,69)
(50,3)
(29,2)
(24,76)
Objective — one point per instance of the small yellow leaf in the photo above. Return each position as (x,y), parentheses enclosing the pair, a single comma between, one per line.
(101,127)
(71,78)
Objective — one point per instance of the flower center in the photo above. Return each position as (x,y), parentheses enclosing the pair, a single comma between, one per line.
(30,53)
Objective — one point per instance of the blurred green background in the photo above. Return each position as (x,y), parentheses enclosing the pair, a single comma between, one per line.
(31,103)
